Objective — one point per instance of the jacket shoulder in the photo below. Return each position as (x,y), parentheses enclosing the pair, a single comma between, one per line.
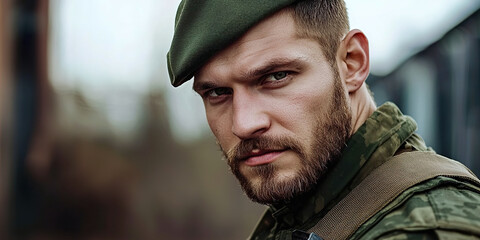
(440,204)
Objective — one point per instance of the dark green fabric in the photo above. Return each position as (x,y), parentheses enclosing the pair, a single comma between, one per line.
(203,28)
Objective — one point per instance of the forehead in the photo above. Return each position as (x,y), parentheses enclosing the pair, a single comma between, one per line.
(266,40)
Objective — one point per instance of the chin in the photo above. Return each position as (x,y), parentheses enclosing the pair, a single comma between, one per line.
(280,188)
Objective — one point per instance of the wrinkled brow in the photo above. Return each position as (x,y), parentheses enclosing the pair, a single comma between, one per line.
(268,67)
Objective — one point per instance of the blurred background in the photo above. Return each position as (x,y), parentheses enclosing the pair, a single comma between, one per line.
(96,144)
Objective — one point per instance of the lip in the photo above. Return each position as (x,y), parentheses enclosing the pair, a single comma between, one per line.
(262,157)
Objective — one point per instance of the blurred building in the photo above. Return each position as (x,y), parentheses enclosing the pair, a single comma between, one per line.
(439,88)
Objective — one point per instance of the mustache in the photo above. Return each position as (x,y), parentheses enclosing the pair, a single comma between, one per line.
(245,147)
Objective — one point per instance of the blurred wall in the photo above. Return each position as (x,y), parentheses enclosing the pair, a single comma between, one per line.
(439,88)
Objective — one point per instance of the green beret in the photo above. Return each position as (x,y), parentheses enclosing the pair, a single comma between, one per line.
(203,28)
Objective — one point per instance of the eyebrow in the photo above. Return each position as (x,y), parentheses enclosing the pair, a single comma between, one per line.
(265,68)
(272,65)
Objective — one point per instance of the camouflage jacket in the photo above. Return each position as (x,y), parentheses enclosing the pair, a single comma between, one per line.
(440,208)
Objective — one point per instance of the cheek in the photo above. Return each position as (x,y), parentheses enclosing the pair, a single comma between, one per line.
(301,113)
(214,123)
(309,104)
(319,97)
(220,127)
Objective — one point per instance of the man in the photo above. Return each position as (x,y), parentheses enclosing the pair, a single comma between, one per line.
(283,87)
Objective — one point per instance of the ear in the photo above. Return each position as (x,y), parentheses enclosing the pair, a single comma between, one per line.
(354,60)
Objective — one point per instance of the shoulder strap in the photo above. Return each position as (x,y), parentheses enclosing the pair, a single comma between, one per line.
(382,186)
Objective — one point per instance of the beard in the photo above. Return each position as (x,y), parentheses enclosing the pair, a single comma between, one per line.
(330,132)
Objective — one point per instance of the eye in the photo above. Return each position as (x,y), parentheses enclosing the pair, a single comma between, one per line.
(277,76)
(216,92)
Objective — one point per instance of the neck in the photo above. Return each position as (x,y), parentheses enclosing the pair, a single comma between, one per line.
(362,106)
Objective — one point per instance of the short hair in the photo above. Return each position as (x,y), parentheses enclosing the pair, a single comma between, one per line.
(325,21)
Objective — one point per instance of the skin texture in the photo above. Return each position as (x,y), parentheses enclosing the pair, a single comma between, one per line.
(280,112)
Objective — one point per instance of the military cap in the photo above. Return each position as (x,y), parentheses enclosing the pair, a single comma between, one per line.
(203,28)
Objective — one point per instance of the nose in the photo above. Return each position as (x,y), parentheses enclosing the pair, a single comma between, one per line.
(250,118)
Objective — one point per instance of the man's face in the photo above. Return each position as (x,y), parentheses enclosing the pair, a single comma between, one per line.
(277,108)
